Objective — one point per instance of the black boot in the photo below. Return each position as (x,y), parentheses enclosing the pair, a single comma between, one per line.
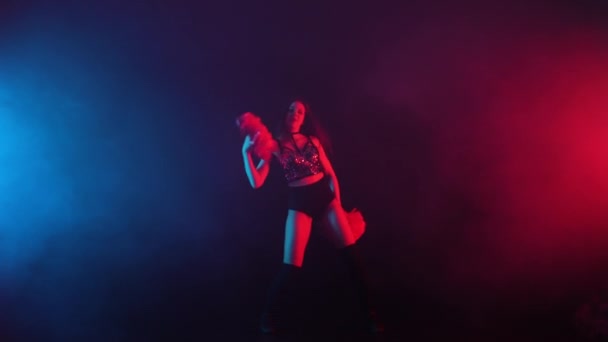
(360,281)
(272,320)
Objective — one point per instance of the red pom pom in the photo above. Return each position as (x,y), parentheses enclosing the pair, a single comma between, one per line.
(356,222)
(250,124)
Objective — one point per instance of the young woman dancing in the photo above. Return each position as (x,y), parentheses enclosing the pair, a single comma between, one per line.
(314,194)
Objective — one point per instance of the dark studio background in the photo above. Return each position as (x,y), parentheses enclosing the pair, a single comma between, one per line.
(472,136)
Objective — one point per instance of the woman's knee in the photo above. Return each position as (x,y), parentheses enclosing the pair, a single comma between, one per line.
(293,261)
(294,254)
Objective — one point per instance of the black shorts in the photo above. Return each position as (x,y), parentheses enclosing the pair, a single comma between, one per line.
(313,199)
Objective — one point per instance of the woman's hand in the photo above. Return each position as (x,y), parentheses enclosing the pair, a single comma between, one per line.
(250,142)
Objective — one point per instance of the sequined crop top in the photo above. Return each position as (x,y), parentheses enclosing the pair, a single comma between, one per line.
(300,163)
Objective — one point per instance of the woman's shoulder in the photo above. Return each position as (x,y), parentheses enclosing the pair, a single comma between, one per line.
(315,140)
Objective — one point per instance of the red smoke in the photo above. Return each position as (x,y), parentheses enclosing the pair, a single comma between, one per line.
(520,123)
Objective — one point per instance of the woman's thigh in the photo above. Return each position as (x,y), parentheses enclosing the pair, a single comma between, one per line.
(338,225)
(297,234)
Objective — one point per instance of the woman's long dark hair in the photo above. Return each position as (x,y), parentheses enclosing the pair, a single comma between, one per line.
(311,127)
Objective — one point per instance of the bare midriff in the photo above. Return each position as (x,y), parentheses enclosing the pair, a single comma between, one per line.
(307,180)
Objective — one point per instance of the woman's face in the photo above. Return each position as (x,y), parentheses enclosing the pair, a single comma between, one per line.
(295,116)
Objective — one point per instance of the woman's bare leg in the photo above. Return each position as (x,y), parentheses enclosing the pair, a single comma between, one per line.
(297,234)
(338,225)
(338,222)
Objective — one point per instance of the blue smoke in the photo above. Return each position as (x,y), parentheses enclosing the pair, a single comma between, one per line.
(96,177)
